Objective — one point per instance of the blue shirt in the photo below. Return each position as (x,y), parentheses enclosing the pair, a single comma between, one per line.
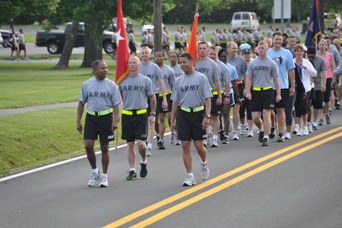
(284,60)
(233,75)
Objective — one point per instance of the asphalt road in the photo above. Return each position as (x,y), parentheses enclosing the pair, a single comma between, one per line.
(292,184)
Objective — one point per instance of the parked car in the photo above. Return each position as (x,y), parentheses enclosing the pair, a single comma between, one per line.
(331,20)
(55,41)
(246,20)
(4,37)
(149,26)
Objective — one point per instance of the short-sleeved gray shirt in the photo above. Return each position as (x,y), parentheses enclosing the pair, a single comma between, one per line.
(240,65)
(262,72)
(177,69)
(320,65)
(224,73)
(169,77)
(100,94)
(191,90)
(135,90)
(152,71)
(209,68)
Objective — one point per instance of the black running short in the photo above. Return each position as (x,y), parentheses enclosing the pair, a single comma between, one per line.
(99,126)
(190,126)
(262,100)
(134,127)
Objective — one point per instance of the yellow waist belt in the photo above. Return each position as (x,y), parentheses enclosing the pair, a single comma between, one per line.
(134,112)
(100,113)
(167,93)
(197,109)
(216,93)
(262,88)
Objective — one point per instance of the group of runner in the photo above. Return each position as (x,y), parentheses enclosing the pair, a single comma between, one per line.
(198,94)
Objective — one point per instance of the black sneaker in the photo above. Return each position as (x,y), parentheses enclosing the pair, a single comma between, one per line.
(265,142)
(157,136)
(261,136)
(272,134)
(132,175)
(161,144)
(222,135)
(143,171)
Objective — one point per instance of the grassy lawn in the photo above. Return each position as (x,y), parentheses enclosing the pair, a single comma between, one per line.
(40,137)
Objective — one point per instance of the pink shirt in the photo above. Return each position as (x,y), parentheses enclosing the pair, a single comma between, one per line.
(327,59)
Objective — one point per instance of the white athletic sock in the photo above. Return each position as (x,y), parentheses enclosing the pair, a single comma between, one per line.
(149,145)
(96,170)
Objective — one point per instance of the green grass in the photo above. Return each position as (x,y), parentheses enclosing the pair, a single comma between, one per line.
(37,83)
(37,138)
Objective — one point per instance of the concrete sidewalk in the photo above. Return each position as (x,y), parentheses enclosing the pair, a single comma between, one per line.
(6,112)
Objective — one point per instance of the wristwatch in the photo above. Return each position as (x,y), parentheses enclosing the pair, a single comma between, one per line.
(153,114)
(208,116)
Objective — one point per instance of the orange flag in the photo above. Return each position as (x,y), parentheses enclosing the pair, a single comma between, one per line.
(192,47)
(122,53)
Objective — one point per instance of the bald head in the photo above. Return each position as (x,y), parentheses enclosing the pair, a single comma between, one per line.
(133,65)
(337,43)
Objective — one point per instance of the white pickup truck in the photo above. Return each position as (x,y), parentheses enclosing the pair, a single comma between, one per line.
(331,20)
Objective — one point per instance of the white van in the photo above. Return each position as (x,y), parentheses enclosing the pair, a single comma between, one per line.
(246,20)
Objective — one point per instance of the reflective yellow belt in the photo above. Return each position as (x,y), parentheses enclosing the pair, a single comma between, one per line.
(197,109)
(167,93)
(216,93)
(134,112)
(100,113)
(262,88)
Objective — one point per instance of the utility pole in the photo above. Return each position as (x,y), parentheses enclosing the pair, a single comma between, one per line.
(157,22)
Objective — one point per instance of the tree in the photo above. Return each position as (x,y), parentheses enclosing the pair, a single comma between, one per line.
(69,45)
(157,19)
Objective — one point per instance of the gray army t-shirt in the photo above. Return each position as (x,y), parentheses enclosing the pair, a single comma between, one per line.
(240,65)
(177,69)
(223,73)
(100,94)
(209,68)
(169,77)
(262,72)
(135,90)
(152,71)
(191,90)
(320,65)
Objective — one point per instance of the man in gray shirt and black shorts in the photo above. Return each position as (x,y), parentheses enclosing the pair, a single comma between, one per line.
(260,74)
(135,90)
(103,98)
(191,98)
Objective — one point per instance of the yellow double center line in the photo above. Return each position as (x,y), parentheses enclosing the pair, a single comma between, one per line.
(225,185)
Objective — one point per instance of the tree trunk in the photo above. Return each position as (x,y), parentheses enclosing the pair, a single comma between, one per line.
(69,45)
(92,42)
(157,21)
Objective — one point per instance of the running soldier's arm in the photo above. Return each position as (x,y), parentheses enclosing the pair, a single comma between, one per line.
(277,85)
(80,109)
(116,112)
(173,116)
(292,80)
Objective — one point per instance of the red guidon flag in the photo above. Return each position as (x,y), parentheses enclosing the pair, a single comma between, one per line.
(192,47)
(122,53)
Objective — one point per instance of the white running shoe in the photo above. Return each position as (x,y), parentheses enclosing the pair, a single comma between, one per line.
(172,139)
(149,152)
(103,182)
(287,135)
(299,132)
(214,144)
(250,133)
(205,171)
(305,130)
(310,129)
(242,129)
(210,138)
(189,181)
(94,180)
(235,136)
(295,129)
